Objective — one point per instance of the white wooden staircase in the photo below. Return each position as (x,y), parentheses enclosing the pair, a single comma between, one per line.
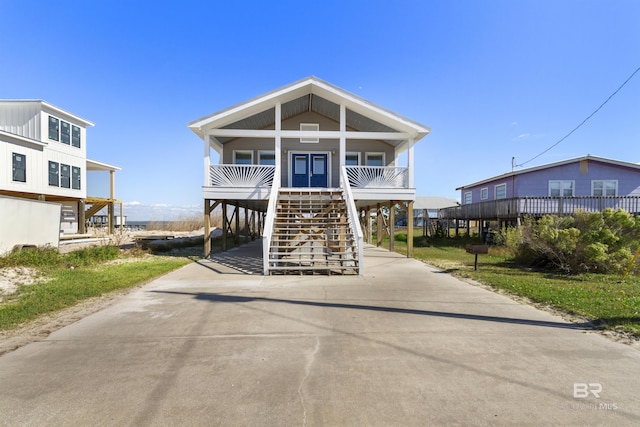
(312,234)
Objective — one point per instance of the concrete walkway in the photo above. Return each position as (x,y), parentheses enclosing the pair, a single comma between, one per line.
(402,345)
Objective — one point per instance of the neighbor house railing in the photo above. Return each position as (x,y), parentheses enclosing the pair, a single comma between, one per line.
(538,206)
(241,175)
(378,176)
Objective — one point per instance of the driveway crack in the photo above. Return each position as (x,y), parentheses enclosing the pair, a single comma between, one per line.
(307,369)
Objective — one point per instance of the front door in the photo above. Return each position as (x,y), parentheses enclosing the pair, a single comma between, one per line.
(309,170)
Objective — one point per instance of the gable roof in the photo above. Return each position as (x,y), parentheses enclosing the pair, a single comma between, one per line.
(552,165)
(309,94)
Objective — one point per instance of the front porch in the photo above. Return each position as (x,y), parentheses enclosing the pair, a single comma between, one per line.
(317,141)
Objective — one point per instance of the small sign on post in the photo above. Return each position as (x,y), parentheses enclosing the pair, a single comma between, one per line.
(477,249)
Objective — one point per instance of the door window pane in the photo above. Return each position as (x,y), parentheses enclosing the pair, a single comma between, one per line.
(300,165)
(318,165)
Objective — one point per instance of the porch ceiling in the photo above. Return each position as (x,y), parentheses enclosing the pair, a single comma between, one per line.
(310,103)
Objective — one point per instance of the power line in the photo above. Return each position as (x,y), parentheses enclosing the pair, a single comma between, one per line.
(584,121)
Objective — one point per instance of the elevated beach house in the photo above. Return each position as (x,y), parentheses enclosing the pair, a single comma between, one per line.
(43,157)
(587,183)
(308,162)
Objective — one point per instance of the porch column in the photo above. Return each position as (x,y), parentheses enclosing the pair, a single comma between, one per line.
(278,140)
(207,228)
(410,229)
(207,160)
(343,140)
(410,162)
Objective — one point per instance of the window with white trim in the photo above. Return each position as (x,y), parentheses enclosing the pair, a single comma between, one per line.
(561,188)
(484,193)
(19,163)
(500,191)
(310,127)
(352,159)
(468,197)
(267,158)
(242,157)
(374,159)
(604,187)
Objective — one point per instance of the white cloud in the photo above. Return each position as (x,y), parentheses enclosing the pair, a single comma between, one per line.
(522,136)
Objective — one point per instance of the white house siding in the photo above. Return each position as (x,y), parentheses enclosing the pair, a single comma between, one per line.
(20,118)
(34,157)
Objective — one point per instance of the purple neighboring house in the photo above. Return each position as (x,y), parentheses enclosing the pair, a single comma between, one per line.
(588,183)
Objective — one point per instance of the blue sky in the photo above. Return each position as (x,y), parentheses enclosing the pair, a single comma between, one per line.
(494,79)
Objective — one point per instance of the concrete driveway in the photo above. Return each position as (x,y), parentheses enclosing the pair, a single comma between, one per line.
(402,345)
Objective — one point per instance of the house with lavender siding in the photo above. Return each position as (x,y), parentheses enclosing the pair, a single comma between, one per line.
(588,183)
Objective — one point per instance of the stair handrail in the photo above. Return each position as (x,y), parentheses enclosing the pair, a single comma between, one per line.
(353,217)
(268,222)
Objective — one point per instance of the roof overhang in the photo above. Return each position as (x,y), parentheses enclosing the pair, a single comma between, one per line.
(93,165)
(12,137)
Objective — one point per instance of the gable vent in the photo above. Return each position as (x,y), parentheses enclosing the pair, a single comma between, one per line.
(312,127)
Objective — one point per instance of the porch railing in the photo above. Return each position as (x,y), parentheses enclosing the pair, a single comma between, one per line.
(241,175)
(378,176)
(538,206)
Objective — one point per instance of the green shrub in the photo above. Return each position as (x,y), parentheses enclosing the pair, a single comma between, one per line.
(586,242)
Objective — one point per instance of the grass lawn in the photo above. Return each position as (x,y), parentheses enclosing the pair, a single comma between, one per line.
(603,299)
(74,277)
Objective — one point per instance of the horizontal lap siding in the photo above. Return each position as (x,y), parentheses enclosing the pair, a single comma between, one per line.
(289,145)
